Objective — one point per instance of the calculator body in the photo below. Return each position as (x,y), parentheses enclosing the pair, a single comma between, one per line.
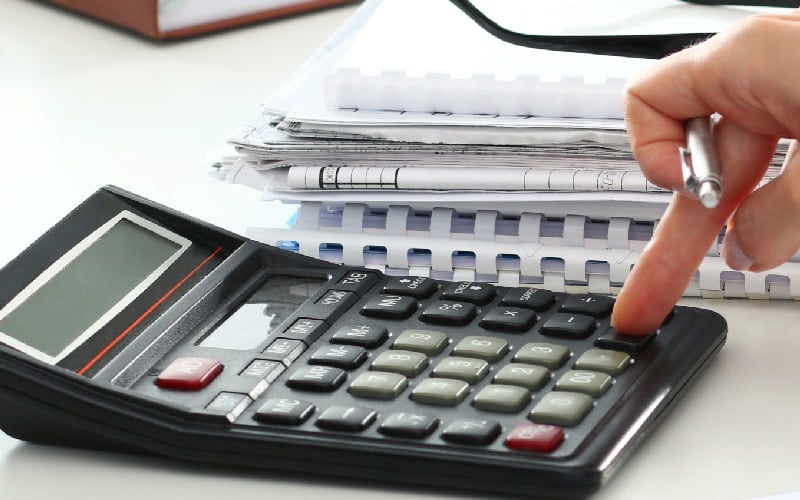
(218,349)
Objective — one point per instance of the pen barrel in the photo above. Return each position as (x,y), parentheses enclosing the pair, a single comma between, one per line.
(700,143)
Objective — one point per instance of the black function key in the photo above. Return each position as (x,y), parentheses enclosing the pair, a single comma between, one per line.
(509,319)
(612,339)
(285,350)
(472,431)
(408,424)
(568,326)
(468,291)
(306,329)
(340,356)
(346,418)
(537,299)
(368,336)
(597,306)
(389,307)
(230,404)
(284,411)
(263,369)
(447,312)
(332,303)
(357,280)
(317,378)
(412,286)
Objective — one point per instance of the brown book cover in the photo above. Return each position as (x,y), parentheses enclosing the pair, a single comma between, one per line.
(141,16)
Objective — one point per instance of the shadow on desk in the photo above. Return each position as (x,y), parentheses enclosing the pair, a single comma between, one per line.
(34,471)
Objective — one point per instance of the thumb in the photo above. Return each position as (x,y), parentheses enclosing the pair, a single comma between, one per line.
(764,233)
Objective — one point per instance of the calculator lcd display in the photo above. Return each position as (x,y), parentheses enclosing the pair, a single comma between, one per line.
(274,301)
(88,286)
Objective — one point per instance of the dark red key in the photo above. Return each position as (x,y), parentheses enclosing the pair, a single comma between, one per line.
(189,374)
(540,438)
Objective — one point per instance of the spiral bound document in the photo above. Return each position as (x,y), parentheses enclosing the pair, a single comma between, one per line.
(574,254)
(426,55)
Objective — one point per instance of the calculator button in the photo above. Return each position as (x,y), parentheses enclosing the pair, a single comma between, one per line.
(603,360)
(317,378)
(410,425)
(189,374)
(440,391)
(537,299)
(447,312)
(472,431)
(569,326)
(263,368)
(265,371)
(502,398)
(468,291)
(358,280)
(509,319)
(531,377)
(561,408)
(612,339)
(541,353)
(306,329)
(467,369)
(333,301)
(389,307)
(489,348)
(346,418)
(413,286)
(285,350)
(408,363)
(284,411)
(588,382)
(340,356)
(540,438)
(378,385)
(429,342)
(597,306)
(231,404)
(368,336)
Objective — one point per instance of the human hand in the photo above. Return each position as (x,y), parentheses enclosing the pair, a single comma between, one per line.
(750,75)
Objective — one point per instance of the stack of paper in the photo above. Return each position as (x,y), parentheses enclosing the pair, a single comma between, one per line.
(412,105)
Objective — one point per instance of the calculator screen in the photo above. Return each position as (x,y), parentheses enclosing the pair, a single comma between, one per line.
(88,285)
(274,301)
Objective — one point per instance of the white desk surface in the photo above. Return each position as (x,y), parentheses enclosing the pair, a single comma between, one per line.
(83,105)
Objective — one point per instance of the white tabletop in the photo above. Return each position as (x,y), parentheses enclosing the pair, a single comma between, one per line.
(83,105)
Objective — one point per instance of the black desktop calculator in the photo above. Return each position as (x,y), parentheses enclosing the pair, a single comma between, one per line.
(131,327)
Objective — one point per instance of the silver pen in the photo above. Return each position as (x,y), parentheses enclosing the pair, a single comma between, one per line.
(702,174)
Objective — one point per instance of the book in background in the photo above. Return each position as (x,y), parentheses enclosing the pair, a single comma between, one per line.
(171,19)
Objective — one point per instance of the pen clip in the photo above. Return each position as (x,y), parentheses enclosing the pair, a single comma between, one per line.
(690,180)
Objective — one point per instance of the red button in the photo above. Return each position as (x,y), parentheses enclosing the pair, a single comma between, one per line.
(535,437)
(189,374)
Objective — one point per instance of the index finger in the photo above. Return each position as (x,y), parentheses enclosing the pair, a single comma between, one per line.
(688,84)
(686,232)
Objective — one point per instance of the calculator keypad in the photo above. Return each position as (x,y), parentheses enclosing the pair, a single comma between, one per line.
(459,363)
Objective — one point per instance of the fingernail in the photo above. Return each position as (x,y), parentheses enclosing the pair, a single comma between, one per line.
(733,254)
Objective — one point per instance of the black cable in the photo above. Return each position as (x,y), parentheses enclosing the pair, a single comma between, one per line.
(642,46)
